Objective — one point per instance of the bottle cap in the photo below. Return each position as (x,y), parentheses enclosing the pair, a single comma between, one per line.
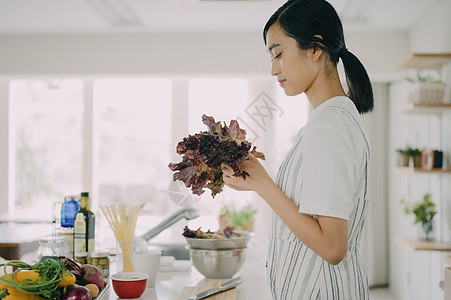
(71,197)
(85,194)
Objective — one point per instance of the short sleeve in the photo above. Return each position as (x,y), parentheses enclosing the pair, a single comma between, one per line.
(327,173)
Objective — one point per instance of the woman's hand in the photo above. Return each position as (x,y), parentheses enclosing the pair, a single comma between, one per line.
(257,178)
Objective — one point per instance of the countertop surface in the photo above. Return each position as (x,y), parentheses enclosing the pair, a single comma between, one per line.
(169,285)
(17,233)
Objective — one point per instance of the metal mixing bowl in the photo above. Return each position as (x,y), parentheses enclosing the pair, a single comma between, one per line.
(216,244)
(218,264)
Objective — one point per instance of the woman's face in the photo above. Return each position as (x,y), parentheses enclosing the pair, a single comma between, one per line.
(295,69)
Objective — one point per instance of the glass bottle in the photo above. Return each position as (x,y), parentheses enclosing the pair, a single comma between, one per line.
(84,227)
(70,207)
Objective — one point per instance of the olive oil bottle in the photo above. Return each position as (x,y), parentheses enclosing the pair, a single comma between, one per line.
(84,227)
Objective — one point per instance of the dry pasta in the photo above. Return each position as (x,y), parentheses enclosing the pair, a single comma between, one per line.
(123,224)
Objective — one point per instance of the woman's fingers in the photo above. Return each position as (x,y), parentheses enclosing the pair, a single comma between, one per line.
(226,168)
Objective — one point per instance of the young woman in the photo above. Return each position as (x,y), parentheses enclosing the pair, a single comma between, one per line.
(319,197)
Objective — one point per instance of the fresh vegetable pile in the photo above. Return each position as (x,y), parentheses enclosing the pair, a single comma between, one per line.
(204,152)
(54,279)
(226,233)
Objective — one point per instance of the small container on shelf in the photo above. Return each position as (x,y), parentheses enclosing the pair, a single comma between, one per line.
(427,92)
(431,159)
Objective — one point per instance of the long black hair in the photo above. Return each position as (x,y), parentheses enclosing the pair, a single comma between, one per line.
(316,24)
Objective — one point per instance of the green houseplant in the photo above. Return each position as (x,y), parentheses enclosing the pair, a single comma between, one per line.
(424,212)
(240,219)
(404,155)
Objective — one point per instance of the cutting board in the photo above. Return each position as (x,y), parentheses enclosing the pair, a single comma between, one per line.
(204,285)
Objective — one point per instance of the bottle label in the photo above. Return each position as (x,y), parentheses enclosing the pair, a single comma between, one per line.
(79,233)
(91,245)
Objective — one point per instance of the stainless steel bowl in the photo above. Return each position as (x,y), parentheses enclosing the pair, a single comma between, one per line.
(218,264)
(216,244)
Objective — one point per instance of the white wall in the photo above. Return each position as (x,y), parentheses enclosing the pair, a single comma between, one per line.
(432,34)
(6,153)
(175,53)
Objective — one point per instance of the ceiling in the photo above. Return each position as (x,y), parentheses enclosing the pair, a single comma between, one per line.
(116,16)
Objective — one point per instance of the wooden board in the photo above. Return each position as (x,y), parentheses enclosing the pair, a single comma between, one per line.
(426,60)
(204,285)
(415,244)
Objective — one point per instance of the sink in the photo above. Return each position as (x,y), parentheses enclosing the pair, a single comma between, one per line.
(171,246)
(178,253)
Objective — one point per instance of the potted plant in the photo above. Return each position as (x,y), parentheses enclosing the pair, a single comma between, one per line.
(415,153)
(404,155)
(424,214)
(242,219)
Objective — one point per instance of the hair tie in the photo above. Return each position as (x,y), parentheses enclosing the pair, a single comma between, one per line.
(342,51)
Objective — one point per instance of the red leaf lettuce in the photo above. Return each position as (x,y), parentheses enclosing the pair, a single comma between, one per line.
(204,152)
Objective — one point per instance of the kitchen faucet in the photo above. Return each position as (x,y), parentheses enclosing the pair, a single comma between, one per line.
(188,213)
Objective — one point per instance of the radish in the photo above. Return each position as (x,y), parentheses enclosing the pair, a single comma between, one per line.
(92,274)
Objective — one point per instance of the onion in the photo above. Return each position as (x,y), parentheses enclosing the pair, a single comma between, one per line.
(92,274)
(77,292)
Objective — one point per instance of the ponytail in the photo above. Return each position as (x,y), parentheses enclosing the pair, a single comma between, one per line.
(360,90)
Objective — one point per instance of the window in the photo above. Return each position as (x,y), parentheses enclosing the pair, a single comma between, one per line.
(47,120)
(134,137)
(224,99)
(133,124)
(295,115)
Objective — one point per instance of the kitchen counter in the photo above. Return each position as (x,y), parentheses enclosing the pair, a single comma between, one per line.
(17,239)
(169,285)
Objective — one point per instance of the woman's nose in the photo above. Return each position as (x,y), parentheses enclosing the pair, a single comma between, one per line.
(274,68)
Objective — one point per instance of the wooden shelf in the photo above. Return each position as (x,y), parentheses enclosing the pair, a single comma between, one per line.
(416,244)
(426,61)
(426,108)
(420,170)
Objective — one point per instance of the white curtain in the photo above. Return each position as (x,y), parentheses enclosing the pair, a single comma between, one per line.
(374,239)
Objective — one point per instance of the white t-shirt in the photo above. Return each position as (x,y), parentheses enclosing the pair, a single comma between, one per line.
(333,160)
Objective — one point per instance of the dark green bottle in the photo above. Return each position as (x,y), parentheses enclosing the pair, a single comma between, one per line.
(84,227)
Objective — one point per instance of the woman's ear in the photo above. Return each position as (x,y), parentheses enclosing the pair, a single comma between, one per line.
(317,54)
(317,48)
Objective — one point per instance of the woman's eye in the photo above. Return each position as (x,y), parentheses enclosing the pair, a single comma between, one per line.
(276,57)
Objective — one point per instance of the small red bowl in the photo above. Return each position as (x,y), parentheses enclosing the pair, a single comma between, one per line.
(129,285)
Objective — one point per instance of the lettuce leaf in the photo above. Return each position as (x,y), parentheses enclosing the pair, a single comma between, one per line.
(204,152)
